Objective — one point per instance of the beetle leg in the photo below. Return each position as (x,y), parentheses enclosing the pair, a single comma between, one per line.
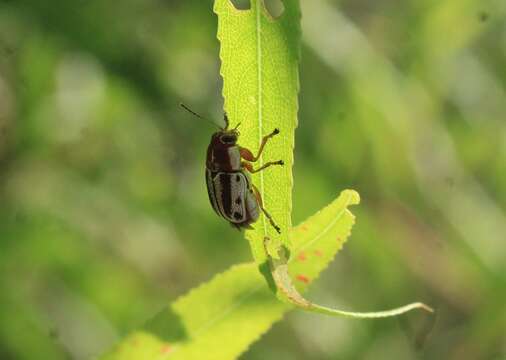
(267,215)
(248,155)
(249,167)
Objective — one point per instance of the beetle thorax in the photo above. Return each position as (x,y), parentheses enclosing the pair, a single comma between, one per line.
(223,153)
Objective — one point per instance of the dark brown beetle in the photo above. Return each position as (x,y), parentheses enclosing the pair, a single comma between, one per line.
(231,192)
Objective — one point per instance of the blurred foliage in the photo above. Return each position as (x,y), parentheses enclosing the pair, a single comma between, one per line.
(104,216)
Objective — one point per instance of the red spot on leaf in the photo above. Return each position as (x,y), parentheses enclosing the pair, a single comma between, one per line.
(301,256)
(318,253)
(167,349)
(338,239)
(303,278)
(303,228)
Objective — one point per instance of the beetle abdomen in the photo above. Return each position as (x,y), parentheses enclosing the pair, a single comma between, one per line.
(231,197)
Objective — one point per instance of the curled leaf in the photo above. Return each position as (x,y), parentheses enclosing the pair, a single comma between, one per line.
(288,293)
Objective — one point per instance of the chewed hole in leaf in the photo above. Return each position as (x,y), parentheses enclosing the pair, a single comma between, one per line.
(274,7)
(241,4)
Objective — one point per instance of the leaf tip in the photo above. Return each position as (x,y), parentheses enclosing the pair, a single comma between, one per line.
(354,196)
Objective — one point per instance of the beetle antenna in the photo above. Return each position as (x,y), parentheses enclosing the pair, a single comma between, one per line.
(225,118)
(197,115)
(237,126)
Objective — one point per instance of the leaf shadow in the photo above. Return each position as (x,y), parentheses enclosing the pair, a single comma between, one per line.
(265,270)
(167,326)
(241,4)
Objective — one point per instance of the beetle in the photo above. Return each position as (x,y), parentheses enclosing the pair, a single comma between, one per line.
(231,192)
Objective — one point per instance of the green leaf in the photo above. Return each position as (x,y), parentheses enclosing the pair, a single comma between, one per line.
(223,317)
(260,57)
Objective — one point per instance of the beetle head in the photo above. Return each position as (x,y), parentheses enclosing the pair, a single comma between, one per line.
(228,137)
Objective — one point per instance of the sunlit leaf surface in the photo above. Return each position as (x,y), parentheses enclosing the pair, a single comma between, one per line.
(259,66)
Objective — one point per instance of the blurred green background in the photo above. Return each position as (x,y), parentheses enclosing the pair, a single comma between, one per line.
(104,216)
